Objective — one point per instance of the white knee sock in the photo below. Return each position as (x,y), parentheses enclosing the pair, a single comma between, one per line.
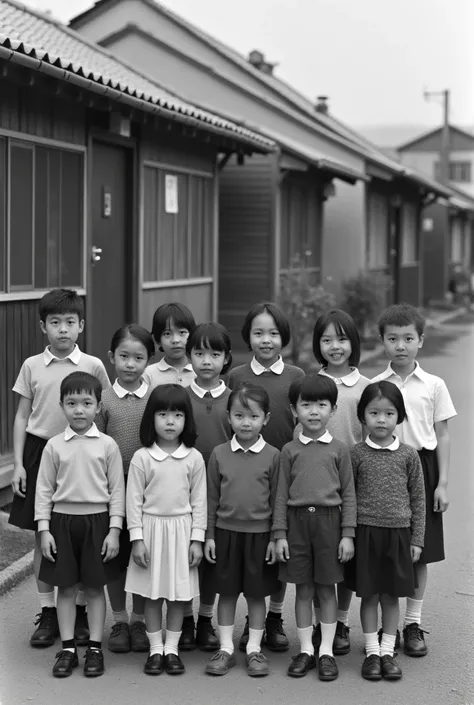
(171,642)
(46,599)
(306,645)
(156,642)
(121,616)
(372,646)
(226,634)
(413,612)
(343,616)
(255,639)
(387,645)
(327,637)
(317,615)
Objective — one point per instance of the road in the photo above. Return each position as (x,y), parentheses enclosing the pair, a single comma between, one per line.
(444,676)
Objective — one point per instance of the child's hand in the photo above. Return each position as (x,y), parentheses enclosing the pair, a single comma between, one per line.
(346,549)
(270,556)
(140,554)
(282,550)
(415,553)
(441,502)
(19,481)
(48,546)
(110,547)
(210,550)
(195,554)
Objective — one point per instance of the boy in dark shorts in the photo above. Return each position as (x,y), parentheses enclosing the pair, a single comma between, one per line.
(79,507)
(314,519)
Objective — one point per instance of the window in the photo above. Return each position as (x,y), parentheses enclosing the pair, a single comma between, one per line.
(41,216)
(377,231)
(300,223)
(178,225)
(409,233)
(459,172)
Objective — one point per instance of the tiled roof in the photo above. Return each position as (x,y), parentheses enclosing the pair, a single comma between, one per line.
(49,43)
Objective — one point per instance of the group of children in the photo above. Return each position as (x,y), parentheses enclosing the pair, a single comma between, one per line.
(173,484)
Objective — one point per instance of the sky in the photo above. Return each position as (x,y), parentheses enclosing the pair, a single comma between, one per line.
(373,58)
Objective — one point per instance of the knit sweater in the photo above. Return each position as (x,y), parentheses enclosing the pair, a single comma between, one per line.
(241,489)
(279,429)
(120,418)
(212,424)
(390,489)
(318,474)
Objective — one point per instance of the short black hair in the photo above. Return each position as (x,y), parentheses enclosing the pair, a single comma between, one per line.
(246,392)
(343,325)
(281,322)
(178,313)
(137,332)
(78,382)
(168,397)
(313,388)
(59,301)
(402,315)
(211,336)
(382,390)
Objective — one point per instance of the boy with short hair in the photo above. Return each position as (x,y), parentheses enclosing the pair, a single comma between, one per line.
(314,519)
(39,418)
(79,507)
(429,407)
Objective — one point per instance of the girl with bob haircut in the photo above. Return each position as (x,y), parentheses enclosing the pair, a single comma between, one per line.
(166,516)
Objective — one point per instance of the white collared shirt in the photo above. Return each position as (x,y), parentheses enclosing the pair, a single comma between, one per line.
(162,373)
(348,380)
(256,448)
(159,454)
(325,438)
(258,369)
(92,432)
(394,445)
(201,393)
(74,356)
(427,401)
(121,392)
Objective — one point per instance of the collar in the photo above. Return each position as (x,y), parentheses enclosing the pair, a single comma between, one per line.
(159,454)
(348,380)
(390,372)
(325,438)
(259,369)
(201,393)
(74,356)
(395,445)
(256,448)
(93,432)
(121,392)
(163,366)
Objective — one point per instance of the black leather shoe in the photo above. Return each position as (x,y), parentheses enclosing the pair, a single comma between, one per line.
(138,638)
(391,671)
(414,640)
(187,640)
(327,668)
(372,668)
(397,638)
(301,664)
(81,627)
(119,639)
(244,639)
(47,628)
(154,665)
(342,642)
(173,665)
(206,638)
(275,636)
(67,660)
(94,665)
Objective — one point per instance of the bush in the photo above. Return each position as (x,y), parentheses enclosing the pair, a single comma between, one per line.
(303,300)
(364,297)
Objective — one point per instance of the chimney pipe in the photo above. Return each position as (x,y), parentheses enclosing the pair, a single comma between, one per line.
(322,105)
(257,60)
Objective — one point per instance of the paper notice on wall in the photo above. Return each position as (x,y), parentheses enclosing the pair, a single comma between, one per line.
(171,193)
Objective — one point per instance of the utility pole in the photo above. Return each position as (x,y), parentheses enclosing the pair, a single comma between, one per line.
(445,142)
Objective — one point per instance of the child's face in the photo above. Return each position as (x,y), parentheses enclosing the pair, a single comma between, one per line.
(380,419)
(173,342)
(62,330)
(335,349)
(401,344)
(129,359)
(80,409)
(207,363)
(169,425)
(265,339)
(247,421)
(313,415)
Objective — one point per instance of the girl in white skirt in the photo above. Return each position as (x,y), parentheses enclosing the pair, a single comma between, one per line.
(166,517)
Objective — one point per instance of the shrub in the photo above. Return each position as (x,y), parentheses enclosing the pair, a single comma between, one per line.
(364,297)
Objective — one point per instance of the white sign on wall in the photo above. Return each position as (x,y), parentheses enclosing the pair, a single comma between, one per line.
(171,193)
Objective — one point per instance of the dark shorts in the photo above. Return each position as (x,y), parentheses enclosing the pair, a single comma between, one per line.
(23,508)
(79,542)
(207,579)
(433,550)
(313,536)
(382,563)
(241,566)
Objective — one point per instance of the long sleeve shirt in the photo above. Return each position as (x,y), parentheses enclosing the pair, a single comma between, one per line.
(211,419)
(167,486)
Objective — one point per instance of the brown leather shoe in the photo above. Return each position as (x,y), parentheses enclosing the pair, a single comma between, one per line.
(257,665)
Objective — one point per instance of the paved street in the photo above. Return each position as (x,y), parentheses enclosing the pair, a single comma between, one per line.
(443,677)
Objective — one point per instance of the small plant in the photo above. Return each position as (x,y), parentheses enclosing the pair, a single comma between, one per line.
(303,300)
(364,297)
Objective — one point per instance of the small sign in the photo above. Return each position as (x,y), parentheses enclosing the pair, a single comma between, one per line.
(106,202)
(171,193)
(427,225)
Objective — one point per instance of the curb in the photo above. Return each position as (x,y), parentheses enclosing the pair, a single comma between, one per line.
(16,572)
